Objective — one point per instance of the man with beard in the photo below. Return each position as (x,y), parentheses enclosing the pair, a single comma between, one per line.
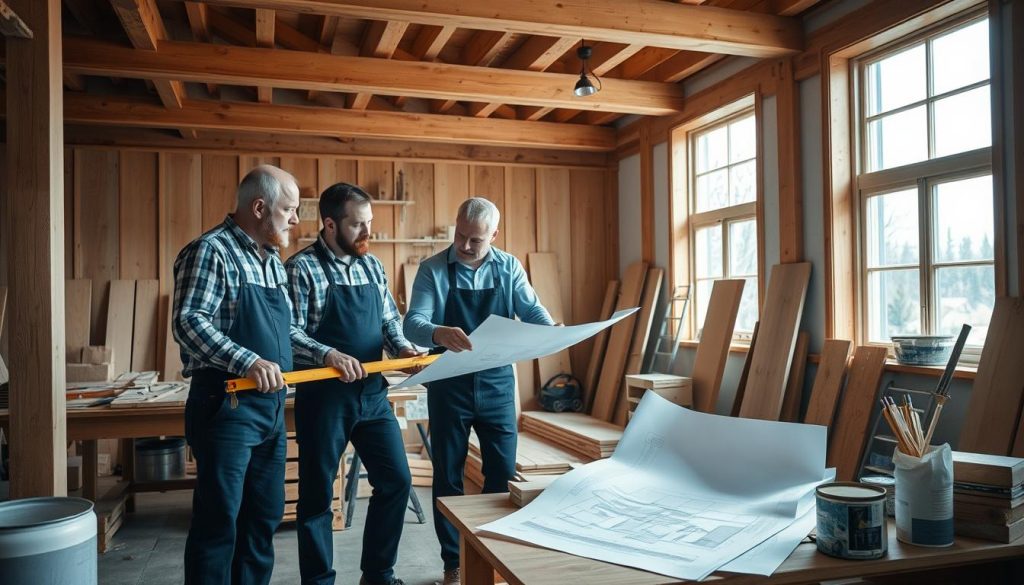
(341,299)
(454,292)
(232,318)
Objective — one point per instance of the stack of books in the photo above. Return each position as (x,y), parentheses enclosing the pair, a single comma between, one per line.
(988,496)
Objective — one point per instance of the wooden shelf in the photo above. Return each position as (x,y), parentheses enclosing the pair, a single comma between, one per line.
(373,201)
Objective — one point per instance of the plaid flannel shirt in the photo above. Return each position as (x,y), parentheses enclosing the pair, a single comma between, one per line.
(206,288)
(309,287)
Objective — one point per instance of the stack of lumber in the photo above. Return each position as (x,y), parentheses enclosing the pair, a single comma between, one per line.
(521,493)
(582,434)
(160,394)
(988,496)
(535,455)
(421,468)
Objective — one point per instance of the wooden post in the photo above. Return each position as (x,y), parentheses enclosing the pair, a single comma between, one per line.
(791,229)
(35,182)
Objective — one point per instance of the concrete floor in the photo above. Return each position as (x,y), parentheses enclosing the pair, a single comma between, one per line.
(149,547)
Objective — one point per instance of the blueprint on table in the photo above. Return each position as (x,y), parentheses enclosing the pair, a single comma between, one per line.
(499,342)
(684,494)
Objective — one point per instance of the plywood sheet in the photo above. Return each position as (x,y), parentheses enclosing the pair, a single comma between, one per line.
(144,336)
(995,403)
(618,345)
(589,238)
(716,337)
(96,228)
(849,433)
(611,293)
(171,366)
(641,333)
(828,381)
(780,318)
(488,181)
(120,315)
(520,215)
(545,280)
(139,237)
(554,229)
(77,313)
(795,385)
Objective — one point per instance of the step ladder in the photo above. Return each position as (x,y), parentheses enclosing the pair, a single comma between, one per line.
(666,344)
(878,454)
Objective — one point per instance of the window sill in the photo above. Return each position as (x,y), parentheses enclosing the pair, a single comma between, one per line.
(962,372)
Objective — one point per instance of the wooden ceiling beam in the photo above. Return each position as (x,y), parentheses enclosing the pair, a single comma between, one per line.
(265,21)
(644,22)
(200,26)
(316,121)
(380,41)
(11,25)
(430,40)
(300,70)
(481,49)
(141,21)
(537,54)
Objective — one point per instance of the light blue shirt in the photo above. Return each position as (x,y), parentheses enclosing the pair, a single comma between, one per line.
(430,291)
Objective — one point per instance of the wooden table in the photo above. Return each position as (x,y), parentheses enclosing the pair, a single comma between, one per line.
(518,563)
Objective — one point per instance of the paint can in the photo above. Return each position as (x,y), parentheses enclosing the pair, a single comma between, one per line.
(851,520)
(889,483)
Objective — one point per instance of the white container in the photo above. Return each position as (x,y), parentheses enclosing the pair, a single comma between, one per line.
(924,497)
(48,541)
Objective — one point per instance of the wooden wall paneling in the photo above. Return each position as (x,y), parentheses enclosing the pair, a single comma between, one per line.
(378,179)
(144,333)
(526,386)
(859,402)
(77,313)
(220,188)
(828,381)
(641,333)
(589,279)
(331,170)
(995,403)
(304,169)
(795,385)
(780,318)
(139,184)
(451,188)
(69,213)
(614,364)
(120,316)
(713,349)
(96,228)
(611,293)
(488,181)
(519,218)
(248,162)
(414,221)
(554,227)
(170,365)
(544,278)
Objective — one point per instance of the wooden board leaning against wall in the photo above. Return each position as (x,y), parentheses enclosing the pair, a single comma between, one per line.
(189,192)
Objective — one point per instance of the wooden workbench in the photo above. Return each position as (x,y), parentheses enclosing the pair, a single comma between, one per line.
(519,563)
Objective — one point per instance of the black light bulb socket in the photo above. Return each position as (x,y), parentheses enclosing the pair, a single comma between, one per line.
(584,52)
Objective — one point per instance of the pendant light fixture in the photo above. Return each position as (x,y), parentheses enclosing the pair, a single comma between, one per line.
(585,86)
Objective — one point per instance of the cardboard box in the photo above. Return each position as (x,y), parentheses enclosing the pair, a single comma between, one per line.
(88,372)
(97,354)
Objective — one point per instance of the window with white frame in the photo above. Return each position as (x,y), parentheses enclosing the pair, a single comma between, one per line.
(926,224)
(723,214)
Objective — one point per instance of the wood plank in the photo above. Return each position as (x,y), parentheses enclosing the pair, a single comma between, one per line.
(488,181)
(335,170)
(588,239)
(618,344)
(544,278)
(795,385)
(220,186)
(96,221)
(451,188)
(554,228)
(849,433)
(641,334)
(408,278)
(181,193)
(741,386)
(611,293)
(302,70)
(137,219)
(170,365)
(77,313)
(11,25)
(520,213)
(716,337)
(526,386)
(780,318)
(417,181)
(319,121)
(120,315)
(651,22)
(144,336)
(828,381)
(305,171)
(995,404)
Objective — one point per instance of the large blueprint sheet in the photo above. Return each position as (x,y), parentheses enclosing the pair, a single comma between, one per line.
(499,342)
(684,494)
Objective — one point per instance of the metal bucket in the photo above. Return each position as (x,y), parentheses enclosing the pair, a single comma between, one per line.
(159,459)
(48,541)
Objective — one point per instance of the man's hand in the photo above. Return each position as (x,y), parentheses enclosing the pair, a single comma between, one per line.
(409,352)
(350,368)
(267,375)
(453,338)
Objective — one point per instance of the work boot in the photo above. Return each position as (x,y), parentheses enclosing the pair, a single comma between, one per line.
(393,581)
(452,577)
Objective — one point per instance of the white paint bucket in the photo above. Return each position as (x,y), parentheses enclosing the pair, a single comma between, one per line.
(48,541)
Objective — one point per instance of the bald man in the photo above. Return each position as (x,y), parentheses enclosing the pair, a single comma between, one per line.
(232,317)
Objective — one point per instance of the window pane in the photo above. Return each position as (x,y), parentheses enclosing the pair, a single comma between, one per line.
(964,226)
(703,299)
(894,304)
(713,149)
(742,178)
(960,58)
(963,122)
(897,80)
(891,229)
(713,190)
(708,250)
(898,139)
(743,248)
(742,140)
(965,294)
(747,315)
